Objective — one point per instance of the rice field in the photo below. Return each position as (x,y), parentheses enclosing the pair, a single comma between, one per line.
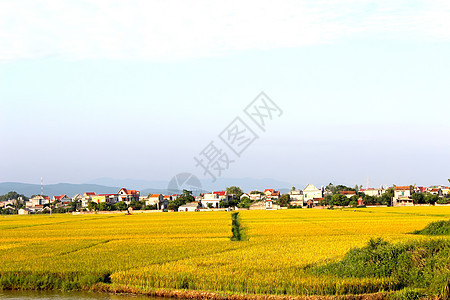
(193,250)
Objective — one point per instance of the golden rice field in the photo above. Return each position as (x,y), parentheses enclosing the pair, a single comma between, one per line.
(193,250)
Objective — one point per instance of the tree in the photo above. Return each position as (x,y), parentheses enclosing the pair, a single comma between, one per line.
(293,188)
(256,192)
(339,200)
(136,205)
(245,202)
(172,206)
(209,205)
(284,200)
(186,193)
(418,198)
(74,205)
(326,200)
(103,206)
(386,198)
(186,197)
(431,198)
(92,206)
(236,191)
(12,195)
(121,205)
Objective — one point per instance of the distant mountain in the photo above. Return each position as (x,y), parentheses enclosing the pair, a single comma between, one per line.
(134,184)
(111,185)
(54,189)
(246,184)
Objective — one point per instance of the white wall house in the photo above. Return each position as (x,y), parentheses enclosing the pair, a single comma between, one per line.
(127,195)
(193,206)
(402,196)
(212,198)
(245,195)
(156,199)
(296,197)
(310,192)
(372,192)
(255,196)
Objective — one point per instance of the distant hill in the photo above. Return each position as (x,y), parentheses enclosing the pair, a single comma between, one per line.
(146,187)
(158,186)
(54,189)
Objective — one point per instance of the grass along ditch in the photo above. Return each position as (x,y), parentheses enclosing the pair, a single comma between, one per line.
(419,268)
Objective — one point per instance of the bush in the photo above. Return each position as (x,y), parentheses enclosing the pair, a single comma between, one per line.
(417,265)
(435,228)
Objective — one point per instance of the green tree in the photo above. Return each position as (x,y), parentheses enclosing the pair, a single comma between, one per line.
(245,202)
(12,195)
(234,190)
(339,200)
(73,206)
(121,205)
(418,198)
(326,200)
(136,205)
(431,198)
(92,206)
(186,197)
(103,206)
(284,200)
(386,198)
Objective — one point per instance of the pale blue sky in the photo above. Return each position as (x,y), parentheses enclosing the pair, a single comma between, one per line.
(136,89)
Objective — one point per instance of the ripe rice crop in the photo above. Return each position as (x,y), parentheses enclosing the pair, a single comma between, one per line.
(194,251)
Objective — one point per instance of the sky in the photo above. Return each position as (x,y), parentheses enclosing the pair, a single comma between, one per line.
(137,89)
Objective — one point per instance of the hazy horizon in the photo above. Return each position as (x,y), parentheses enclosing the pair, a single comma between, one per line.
(138,89)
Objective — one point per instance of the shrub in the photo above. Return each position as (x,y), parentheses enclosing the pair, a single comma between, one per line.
(435,228)
(416,265)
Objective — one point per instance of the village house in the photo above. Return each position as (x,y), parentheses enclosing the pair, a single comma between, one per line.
(77,197)
(87,196)
(255,195)
(421,189)
(193,206)
(63,199)
(127,195)
(158,200)
(348,194)
(244,195)
(38,200)
(402,196)
(101,198)
(445,190)
(214,198)
(310,192)
(23,211)
(271,194)
(372,192)
(296,197)
(436,191)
